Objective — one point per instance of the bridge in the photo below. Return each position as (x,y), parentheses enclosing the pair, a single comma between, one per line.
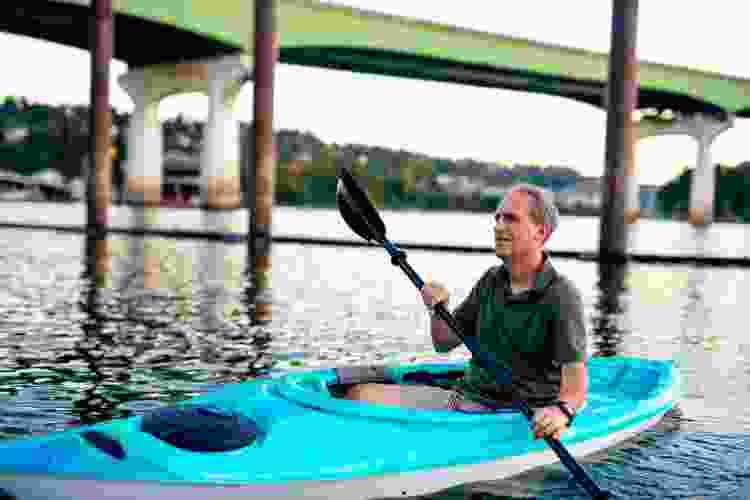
(196,43)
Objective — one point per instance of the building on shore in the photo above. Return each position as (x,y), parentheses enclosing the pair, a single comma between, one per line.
(45,185)
(585,193)
(648,195)
(181,183)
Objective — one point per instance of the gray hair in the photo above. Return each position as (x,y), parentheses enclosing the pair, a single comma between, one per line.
(543,209)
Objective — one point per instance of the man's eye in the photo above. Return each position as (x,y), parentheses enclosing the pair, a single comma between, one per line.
(505,218)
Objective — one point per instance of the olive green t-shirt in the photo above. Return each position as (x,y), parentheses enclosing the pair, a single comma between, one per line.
(533,333)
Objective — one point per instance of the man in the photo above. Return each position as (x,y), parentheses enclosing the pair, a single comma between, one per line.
(525,314)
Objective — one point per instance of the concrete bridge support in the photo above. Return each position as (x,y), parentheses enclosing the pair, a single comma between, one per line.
(632,209)
(221,79)
(220,176)
(704,129)
(143,174)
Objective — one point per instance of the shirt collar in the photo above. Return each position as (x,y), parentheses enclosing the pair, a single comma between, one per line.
(545,277)
(542,279)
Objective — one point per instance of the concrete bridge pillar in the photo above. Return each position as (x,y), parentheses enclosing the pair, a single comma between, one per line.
(632,209)
(703,184)
(220,160)
(221,79)
(220,176)
(143,173)
(704,129)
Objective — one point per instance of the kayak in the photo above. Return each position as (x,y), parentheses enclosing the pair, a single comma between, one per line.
(293,436)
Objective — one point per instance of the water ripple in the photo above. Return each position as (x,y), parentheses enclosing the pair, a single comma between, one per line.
(71,354)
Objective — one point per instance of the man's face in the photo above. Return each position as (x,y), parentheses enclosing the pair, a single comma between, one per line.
(515,233)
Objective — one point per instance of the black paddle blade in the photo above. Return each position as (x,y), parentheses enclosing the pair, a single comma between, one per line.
(356,208)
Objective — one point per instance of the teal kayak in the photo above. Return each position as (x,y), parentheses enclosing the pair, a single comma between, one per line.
(292,436)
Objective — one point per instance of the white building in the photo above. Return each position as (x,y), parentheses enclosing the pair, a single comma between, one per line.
(585,193)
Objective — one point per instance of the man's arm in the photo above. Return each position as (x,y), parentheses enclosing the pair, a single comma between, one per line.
(550,420)
(574,383)
(443,338)
(569,336)
(570,346)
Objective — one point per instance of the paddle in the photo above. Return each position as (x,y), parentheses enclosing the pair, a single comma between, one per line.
(361,216)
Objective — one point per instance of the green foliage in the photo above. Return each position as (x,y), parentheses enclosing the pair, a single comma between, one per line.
(535,180)
(320,191)
(40,149)
(489,202)
(411,170)
(441,167)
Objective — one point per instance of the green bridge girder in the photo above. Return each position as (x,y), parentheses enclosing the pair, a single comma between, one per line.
(332,36)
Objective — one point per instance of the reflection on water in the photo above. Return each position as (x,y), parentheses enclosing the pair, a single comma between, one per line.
(122,349)
(696,312)
(607,327)
(140,348)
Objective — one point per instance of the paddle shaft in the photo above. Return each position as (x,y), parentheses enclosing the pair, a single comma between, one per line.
(398,258)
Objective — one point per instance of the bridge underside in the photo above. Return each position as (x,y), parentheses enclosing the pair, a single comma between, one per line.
(137,41)
(392,63)
(140,42)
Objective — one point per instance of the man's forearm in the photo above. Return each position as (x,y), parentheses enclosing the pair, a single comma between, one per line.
(574,384)
(443,337)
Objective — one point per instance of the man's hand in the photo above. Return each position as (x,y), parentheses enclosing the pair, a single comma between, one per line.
(434,292)
(549,421)
(443,338)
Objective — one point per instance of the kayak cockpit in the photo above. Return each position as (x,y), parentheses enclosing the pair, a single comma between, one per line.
(435,376)
(324,392)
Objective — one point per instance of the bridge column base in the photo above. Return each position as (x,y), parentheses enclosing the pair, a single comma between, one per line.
(632,215)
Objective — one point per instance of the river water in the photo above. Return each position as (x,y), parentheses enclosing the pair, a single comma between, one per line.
(72,354)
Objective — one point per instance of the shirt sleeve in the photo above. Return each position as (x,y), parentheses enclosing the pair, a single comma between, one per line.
(467,312)
(568,327)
